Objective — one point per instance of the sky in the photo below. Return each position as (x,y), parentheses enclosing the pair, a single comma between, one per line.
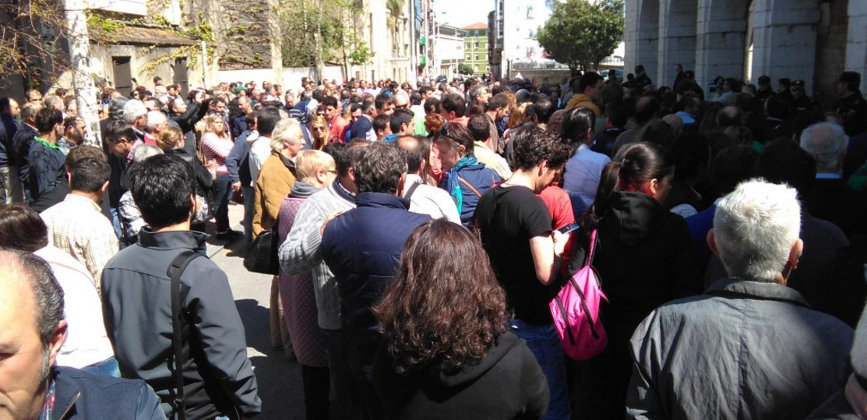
(463,12)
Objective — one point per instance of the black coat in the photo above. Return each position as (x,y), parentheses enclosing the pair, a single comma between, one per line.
(645,257)
(506,384)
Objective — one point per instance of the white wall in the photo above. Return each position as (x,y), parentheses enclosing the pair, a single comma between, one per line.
(291,76)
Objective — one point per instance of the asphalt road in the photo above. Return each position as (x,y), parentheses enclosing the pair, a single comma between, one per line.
(279,378)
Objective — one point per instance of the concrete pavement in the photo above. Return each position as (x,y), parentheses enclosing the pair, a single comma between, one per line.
(279,379)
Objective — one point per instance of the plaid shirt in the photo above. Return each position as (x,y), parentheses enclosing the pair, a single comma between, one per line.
(77,226)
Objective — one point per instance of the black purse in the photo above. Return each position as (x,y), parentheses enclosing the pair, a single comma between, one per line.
(262,256)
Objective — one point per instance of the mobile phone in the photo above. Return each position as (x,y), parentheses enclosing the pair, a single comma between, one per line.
(569,228)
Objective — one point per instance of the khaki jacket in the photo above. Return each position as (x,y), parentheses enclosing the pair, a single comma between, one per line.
(275,181)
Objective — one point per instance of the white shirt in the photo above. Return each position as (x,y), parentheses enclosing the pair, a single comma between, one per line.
(86,341)
(259,152)
(432,201)
(583,171)
(492,160)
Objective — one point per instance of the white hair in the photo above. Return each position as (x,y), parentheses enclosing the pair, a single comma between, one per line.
(827,143)
(287,130)
(133,109)
(309,162)
(156,117)
(755,227)
(144,151)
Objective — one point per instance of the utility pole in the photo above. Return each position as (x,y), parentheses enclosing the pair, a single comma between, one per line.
(86,93)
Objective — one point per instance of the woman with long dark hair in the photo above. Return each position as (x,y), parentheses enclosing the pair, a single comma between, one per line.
(644,256)
(447,352)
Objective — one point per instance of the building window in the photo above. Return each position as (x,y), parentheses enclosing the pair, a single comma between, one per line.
(477,57)
(477,44)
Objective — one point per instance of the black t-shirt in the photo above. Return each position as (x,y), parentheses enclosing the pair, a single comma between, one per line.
(507,218)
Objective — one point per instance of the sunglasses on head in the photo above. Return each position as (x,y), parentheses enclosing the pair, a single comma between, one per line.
(444,131)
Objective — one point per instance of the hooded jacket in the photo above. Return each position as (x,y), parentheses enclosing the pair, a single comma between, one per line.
(585,101)
(506,384)
(645,257)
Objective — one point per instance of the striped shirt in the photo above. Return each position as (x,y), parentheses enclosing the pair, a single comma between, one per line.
(217,148)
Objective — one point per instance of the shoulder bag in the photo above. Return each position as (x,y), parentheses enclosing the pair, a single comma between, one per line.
(575,311)
(262,256)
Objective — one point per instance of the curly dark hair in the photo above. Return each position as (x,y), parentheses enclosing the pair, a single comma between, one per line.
(534,145)
(444,306)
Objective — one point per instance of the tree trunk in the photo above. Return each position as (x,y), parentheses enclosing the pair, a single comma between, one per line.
(82,76)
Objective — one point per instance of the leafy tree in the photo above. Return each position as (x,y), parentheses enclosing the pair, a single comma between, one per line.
(318,31)
(580,34)
(465,68)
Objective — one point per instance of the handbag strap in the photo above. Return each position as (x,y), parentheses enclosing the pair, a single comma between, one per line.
(592,247)
(176,268)
(470,186)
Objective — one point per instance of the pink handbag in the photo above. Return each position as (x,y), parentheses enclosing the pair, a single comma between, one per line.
(575,311)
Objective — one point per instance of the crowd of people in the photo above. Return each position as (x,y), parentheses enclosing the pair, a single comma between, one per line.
(422,232)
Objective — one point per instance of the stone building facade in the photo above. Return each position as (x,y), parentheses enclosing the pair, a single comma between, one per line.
(811,40)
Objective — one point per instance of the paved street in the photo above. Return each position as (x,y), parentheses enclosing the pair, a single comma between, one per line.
(279,379)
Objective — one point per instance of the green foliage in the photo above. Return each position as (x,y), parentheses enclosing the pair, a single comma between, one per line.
(361,54)
(580,34)
(465,68)
(103,23)
(315,31)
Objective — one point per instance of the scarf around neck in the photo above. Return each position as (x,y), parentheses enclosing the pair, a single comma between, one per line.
(453,183)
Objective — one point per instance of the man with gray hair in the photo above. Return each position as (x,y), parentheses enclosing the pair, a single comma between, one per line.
(750,347)
(135,113)
(157,121)
(829,198)
(34,330)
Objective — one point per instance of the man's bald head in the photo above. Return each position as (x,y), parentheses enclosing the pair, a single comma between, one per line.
(33,331)
(401,99)
(416,150)
(20,266)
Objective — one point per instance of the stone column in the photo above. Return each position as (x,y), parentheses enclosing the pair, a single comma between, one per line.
(720,39)
(784,39)
(677,24)
(630,35)
(856,46)
(647,40)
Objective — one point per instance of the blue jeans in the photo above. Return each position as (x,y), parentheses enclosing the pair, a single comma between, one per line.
(107,367)
(545,345)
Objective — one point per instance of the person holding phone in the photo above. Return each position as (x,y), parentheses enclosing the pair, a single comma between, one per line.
(517,233)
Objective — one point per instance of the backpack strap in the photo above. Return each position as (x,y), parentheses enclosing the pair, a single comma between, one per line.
(176,268)
(411,191)
(470,186)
